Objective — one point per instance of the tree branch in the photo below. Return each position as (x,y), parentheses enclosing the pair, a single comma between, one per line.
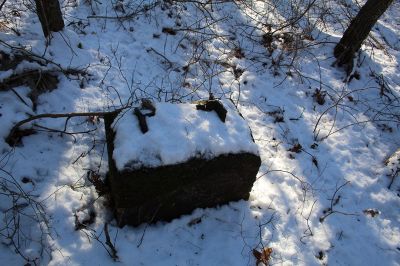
(59,115)
(2,4)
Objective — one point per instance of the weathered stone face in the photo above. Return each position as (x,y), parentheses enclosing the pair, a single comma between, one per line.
(148,195)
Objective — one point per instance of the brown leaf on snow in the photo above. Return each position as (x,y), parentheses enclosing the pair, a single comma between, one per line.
(263,256)
(297,148)
(371,212)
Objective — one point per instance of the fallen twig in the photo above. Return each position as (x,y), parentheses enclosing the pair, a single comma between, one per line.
(113,252)
(10,138)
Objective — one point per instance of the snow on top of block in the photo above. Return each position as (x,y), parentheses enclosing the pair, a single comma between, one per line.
(177,133)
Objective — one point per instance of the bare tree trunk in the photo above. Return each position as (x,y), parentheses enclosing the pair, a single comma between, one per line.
(50,16)
(358,31)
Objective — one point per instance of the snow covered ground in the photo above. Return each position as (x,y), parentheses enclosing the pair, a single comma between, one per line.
(321,195)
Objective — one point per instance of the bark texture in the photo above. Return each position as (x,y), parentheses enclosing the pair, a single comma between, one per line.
(50,16)
(358,31)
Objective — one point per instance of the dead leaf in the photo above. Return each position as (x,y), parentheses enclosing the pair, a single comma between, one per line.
(297,148)
(169,31)
(263,256)
(371,212)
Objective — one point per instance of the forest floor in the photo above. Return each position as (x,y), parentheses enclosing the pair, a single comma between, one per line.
(324,193)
